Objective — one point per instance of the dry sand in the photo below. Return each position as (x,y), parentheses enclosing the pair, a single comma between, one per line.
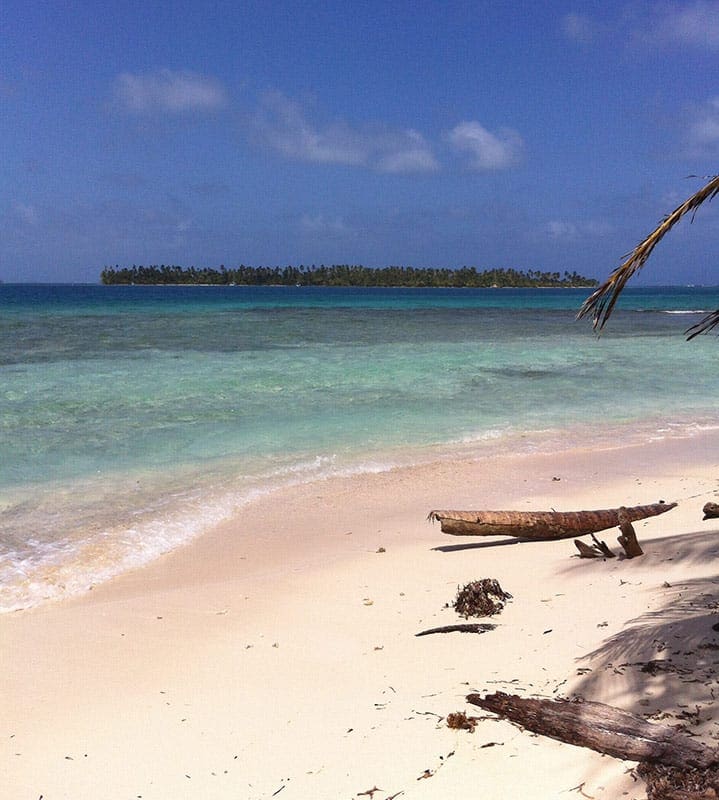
(276,655)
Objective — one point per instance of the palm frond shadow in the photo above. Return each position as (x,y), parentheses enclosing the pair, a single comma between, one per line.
(666,662)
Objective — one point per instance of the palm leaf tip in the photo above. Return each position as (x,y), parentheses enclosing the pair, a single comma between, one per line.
(704,325)
(601,302)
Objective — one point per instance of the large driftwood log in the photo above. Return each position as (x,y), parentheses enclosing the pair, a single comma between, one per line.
(674,765)
(541,525)
(602,728)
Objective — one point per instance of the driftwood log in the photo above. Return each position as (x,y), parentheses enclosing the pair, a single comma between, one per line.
(711,510)
(542,525)
(674,765)
(602,728)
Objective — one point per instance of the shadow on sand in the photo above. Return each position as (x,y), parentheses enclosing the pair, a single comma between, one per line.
(452,548)
(665,663)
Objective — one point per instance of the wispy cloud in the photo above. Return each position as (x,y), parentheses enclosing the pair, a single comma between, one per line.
(169,92)
(283,125)
(561,229)
(487,150)
(580,27)
(695,24)
(703,132)
(406,152)
(320,224)
(569,231)
(26,213)
(210,188)
(659,24)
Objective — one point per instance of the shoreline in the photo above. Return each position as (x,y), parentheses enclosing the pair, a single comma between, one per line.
(278,652)
(333,286)
(118,550)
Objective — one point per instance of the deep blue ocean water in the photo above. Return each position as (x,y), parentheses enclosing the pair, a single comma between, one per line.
(132,417)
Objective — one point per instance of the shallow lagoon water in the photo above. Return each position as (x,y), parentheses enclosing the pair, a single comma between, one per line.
(132,418)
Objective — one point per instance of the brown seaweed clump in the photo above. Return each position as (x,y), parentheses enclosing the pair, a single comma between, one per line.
(482,598)
(459,721)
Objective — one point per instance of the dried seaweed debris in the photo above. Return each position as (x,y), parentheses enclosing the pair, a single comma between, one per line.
(672,782)
(482,598)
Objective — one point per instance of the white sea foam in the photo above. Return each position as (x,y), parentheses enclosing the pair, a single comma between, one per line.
(684,311)
(483,436)
(52,570)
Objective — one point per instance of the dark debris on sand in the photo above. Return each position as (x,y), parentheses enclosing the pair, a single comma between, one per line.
(459,721)
(667,783)
(482,598)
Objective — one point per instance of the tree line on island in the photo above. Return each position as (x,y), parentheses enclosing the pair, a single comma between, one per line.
(342,275)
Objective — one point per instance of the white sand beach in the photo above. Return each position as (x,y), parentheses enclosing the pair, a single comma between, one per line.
(276,656)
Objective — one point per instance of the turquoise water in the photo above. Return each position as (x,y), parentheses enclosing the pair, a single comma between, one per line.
(132,418)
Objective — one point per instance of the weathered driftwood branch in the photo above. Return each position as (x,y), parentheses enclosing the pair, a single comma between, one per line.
(628,539)
(711,510)
(602,546)
(590,550)
(462,627)
(602,728)
(541,525)
(596,550)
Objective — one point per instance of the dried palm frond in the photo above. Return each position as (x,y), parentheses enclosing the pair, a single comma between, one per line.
(600,303)
(704,325)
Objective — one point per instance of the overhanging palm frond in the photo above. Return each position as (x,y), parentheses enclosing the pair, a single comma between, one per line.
(704,325)
(600,303)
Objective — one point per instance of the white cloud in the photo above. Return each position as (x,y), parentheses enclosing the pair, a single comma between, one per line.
(565,230)
(407,152)
(703,133)
(319,224)
(167,91)
(561,229)
(649,25)
(284,127)
(25,213)
(282,124)
(579,27)
(487,151)
(694,24)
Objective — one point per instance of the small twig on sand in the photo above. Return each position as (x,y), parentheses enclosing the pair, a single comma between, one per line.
(428,714)
(579,789)
(371,792)
(469,627)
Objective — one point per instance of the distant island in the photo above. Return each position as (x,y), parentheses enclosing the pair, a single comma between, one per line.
(343,275)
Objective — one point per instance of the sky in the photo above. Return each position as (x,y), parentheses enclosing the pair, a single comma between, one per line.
(535,135)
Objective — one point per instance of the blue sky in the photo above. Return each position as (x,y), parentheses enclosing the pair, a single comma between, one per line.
(535,135)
